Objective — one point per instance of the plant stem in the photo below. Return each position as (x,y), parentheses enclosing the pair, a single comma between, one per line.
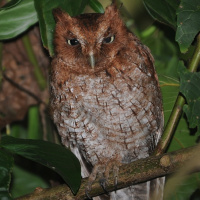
(193,65)
(178,107)
(1,59)
(33,123)
(170,126)
(37,70)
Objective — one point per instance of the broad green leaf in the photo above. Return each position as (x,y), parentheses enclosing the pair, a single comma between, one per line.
(191,90)
(47,24)
(10,4)
(170,89)
(6,165)
(16,19)
(166,61)
(96,6)
(182,138)
(188,23)
(163,11)
(54,156)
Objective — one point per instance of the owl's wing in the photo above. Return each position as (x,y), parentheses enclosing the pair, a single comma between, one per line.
(148,64)
(150,190)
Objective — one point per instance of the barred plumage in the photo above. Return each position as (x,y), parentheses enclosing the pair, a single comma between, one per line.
(110,112)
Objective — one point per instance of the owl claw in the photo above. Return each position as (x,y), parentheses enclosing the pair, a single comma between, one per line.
(103,183)
(115,181)
(103,173)
(115,172)
(87,190)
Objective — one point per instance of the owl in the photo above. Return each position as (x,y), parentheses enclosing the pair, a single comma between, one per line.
(105,97)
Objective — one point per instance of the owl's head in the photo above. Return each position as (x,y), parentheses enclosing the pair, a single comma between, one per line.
(89,42)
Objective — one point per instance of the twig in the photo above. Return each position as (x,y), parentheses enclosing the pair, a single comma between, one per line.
(129,174)
(178,107)
(23,89)
(37,70)
(1,58)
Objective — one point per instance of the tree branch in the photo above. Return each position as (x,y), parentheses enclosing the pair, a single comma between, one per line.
(136,172)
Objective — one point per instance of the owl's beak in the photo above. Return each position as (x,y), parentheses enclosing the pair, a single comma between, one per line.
(92,60)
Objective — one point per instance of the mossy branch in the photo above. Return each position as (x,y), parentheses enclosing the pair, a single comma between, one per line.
(136,172)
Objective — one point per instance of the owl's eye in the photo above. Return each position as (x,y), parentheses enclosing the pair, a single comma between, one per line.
(109,39)
(73,42)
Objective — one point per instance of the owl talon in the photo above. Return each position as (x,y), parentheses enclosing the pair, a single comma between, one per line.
(88,189)
(87,194)
(103,183)
(115,182)
(115,172)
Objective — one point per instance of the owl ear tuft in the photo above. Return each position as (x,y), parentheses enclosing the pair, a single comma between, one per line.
(59,15)
(111,11)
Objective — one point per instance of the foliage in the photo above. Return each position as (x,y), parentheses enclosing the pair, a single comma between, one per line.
(191,90)
(16,18)
(41,152)
(188,23)
(167,42)
(6,161)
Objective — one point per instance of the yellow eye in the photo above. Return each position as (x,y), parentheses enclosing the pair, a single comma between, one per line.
(109,39)
(73,42)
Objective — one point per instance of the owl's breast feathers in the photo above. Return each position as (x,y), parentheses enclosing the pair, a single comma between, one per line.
(114,113)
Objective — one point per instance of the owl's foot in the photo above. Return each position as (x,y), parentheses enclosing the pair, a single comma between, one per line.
(114,166)
(103,171)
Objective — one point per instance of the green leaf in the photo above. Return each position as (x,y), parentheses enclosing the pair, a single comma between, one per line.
(46,19)
(163,11)
(6,165)
(10,4)
(54,156)
(17,18)
(170,88)
(96,6)
(191,90)
(188,23)
(182,137)
(166,55)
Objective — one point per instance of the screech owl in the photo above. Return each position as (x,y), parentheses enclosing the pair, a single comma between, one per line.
(105,96)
